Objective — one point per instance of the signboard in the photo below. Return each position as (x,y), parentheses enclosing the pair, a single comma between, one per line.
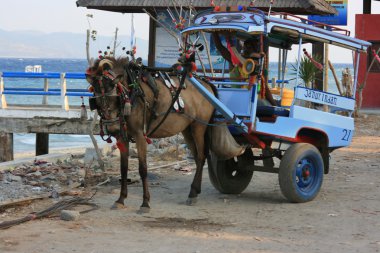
(338,19)
(167,47)
(324,98)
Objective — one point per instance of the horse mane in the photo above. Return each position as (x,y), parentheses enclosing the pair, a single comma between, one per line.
(118,63)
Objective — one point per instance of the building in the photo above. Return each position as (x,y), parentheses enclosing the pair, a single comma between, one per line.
(367,28)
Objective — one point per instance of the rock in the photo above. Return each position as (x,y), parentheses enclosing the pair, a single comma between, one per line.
(69,215)
(37,189)
(49,177)
(132,152)
(171,149)
(163,143)
(13,178)
(36,174)
(150,148)
(34,183)
(81,172)
(91,155)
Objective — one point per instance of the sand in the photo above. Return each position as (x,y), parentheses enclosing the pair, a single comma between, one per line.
(343,218)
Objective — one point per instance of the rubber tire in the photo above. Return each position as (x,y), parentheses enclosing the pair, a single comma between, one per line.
(229,176)
(288,169)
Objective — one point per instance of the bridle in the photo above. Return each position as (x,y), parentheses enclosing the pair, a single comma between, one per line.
(121,93)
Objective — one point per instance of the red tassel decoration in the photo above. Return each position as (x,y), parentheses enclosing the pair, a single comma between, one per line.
(148,140)
(120,145)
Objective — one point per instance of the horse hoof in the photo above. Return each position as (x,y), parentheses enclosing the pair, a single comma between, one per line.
(117,206)
(143,210)
(191,201)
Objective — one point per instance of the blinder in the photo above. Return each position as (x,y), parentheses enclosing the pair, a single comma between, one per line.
(92,102)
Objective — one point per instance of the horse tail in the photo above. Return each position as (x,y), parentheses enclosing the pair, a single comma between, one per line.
(219,139)
(209,128)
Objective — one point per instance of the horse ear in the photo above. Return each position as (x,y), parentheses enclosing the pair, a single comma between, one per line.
(105,64)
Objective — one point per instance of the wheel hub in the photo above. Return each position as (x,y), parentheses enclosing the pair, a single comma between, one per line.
(304,174)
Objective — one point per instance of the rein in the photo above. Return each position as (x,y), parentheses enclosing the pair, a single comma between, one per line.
(127,95)
(174,99)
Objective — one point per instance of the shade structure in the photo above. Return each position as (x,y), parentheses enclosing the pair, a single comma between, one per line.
(305,7)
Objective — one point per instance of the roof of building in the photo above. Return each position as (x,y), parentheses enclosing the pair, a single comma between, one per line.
(290,6)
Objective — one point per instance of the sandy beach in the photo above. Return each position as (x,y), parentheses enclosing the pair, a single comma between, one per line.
(343,218)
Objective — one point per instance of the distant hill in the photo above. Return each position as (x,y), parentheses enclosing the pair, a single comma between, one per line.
(34,44)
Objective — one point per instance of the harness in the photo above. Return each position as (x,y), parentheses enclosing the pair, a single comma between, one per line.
(127,96)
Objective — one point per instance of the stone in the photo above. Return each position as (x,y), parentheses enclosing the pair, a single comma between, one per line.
(132,152)
(163,143)
(69,215)
(36,174)
(91,155)
(13,178)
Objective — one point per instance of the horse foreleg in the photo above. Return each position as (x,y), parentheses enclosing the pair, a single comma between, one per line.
(194,137)
(141,146)
(124,155)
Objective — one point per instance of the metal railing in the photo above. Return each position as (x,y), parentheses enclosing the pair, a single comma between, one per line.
(63,91)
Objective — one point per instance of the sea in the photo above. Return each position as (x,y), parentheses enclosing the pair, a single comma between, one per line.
(26,142)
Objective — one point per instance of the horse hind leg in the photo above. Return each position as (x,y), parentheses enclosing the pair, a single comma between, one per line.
(194,137)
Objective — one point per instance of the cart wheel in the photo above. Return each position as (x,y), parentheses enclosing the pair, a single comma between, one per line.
(230,176)
(301,173)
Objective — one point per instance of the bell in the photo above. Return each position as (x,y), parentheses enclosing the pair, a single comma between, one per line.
(127,108)
(83,111)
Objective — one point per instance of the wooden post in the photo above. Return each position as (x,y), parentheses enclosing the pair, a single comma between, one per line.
(338,84)
(367,6)
(6,147)
(318,50)
(42,139)
(42,144)
(152,42)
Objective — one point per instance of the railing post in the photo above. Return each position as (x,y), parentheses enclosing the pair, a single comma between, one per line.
(64,99)
(3,102)
(46,89)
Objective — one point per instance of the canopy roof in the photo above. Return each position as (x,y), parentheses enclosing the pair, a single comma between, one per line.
(290,6)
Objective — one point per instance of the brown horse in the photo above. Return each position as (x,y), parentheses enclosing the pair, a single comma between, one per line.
(118,84)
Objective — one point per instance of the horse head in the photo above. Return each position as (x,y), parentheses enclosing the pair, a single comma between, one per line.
(109,86)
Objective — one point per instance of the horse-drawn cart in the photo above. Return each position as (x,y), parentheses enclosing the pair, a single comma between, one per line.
(301,135)
(136,102)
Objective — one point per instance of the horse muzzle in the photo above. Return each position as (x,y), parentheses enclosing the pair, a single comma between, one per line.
(112,126)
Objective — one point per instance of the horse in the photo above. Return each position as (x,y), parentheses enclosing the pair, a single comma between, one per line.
(132,107)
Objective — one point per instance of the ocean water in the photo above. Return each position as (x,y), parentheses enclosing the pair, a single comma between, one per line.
(26,142)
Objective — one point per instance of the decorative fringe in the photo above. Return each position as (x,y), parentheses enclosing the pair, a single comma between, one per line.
(148,140)
(121,146)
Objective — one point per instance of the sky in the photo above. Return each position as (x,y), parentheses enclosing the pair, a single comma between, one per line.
(64,16)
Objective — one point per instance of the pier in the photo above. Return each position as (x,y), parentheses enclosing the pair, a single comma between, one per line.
(42,119)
